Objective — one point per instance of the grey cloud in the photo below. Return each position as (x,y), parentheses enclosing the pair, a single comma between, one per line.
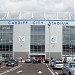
(37,5)
(17,0)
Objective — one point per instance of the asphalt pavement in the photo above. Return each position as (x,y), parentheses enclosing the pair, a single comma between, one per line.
(30,69)
(56,71)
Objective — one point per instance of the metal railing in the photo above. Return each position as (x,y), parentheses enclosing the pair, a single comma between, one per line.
(39,15)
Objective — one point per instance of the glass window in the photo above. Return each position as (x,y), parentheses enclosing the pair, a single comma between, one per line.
(37,43)
(72,65)
(68,40)
(6,39)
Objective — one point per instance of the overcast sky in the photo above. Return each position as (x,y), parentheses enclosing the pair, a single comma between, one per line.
(37,5)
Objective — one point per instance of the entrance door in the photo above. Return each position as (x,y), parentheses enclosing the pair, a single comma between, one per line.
(38,56)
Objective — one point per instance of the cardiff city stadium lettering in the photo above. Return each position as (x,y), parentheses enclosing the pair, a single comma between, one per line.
(40,22)
(17,22)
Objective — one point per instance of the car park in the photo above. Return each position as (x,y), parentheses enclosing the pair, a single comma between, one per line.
(11,62)
(58,64)
(69,68)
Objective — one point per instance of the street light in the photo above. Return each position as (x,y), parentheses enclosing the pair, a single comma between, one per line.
(71,51)
(72,54)
(49,43)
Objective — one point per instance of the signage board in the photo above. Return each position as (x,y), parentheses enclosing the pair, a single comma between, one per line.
(53,39)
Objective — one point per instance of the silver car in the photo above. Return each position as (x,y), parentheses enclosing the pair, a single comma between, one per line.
(58,64)
(69,68)
(28,60)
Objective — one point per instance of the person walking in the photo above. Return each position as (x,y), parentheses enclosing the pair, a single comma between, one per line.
(34,60)
(37,59)
(55,59)
(51,58)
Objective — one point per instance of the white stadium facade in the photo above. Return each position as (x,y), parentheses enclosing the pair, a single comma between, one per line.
(30,34)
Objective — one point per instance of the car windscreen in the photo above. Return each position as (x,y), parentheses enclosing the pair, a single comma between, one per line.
(11,60)
(72,65)
(28,58)
(52,61)
(59,62)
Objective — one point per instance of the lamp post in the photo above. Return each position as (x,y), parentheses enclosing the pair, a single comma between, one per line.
(49,43)
(72,52)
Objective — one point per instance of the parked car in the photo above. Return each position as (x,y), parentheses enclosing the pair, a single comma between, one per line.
(6,60)
(69,68)
(11,62)
(28,60)
(58,64)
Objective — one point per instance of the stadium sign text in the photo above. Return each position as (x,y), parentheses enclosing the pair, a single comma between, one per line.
(40,22)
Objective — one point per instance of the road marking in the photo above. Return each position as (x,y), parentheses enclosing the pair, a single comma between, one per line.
(56,73)
(40,72)
(46,65)
(2,66)
(19,71)
(12,69)
(50,70)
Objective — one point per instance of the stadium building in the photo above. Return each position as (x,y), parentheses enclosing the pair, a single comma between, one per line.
(47,35)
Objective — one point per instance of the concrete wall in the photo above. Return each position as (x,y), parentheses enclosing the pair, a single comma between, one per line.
(55,30)
(20,31)
(21,54)
(53,54)
(55,48)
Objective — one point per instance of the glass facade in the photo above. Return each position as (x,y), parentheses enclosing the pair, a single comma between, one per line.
(6,40)
(69,40)
(37,43)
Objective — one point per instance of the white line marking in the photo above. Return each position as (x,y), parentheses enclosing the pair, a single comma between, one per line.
(19,71)
(12,69)
(50,70)
(46,65)
(56,72)
(40,72)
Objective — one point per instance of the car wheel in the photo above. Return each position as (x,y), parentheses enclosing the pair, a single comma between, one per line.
(53,67)
(63,72)
(13,65)
(69,73)
(16,64)
(7,66)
